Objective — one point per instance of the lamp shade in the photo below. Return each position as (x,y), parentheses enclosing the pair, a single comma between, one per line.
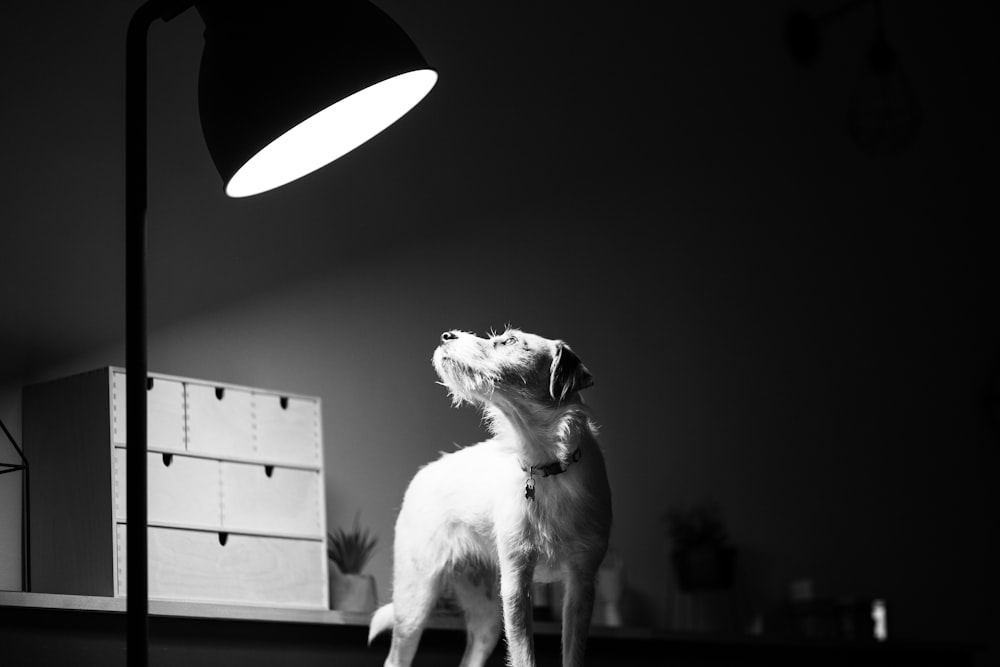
(288,86)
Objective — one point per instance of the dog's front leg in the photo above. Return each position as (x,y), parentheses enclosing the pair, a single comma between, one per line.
(516,571)
(578,605)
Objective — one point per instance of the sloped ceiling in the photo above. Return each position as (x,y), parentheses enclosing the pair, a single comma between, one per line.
(537,102)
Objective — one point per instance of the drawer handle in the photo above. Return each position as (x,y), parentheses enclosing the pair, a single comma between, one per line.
(168,459)
(220,392)
(149,384)
(223,538)
(269,470)
(284,402)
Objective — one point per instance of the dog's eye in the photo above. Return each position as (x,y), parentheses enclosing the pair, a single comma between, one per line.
(509,340)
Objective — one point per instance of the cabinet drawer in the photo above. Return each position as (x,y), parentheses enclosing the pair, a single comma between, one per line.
(287,429)
(182,490)
(164,409)
(195,565)
(270,499)
(219,421)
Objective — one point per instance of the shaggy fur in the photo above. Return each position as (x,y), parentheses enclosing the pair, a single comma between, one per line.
(532,503)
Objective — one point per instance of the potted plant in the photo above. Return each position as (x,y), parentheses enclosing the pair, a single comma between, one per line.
(703,557)
(349,552)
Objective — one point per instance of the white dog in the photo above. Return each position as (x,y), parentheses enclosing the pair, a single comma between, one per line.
(530,504)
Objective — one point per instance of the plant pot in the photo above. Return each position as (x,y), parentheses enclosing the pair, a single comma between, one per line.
(352,592)
(704,568)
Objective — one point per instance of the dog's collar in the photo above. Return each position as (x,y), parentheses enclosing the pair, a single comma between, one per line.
(546,470)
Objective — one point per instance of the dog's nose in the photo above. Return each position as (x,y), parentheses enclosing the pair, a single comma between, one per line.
(448,335)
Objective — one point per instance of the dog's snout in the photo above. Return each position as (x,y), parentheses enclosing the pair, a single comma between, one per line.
(448,335)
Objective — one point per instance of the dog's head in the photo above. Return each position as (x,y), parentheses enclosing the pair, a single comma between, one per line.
(514,366)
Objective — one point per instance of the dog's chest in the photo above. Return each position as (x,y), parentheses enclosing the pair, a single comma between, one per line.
(549,523)
(551,542)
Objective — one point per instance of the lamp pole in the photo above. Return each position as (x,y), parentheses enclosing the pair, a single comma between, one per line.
(394,61)
(137,578)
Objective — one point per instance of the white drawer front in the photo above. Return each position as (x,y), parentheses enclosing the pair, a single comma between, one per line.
(270,499)
(219,421)
(287,429)
(194,565)
(186,492)
(164,409)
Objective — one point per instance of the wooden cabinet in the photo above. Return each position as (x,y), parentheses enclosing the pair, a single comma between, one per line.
(236,508)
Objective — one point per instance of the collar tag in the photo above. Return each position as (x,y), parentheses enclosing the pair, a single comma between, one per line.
(547,470)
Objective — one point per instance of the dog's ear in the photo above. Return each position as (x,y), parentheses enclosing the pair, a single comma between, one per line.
(567,374)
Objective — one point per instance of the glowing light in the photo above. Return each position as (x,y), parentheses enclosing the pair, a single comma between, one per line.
(331,133)
(879,616)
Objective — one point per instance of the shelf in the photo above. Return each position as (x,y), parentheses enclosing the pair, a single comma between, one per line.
(185,609)
(182,608)
(38,628)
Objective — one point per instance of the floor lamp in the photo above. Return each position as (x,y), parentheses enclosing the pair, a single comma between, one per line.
(285,87)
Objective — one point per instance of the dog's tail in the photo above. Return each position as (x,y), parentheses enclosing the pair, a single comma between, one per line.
(382,620)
